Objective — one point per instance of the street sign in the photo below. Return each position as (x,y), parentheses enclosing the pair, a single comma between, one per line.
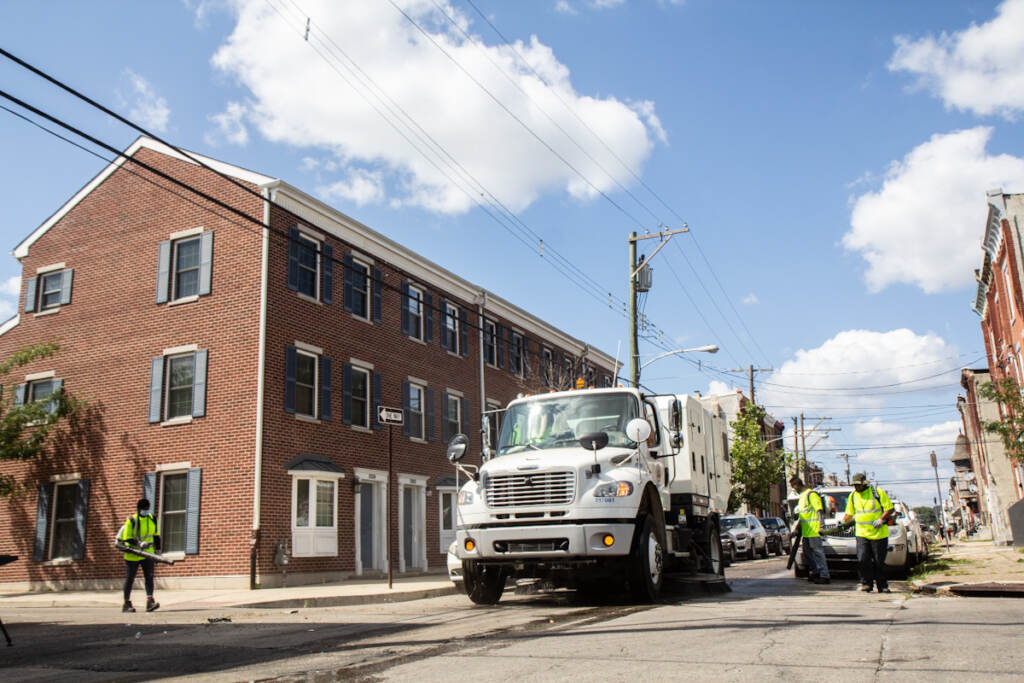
(390,416)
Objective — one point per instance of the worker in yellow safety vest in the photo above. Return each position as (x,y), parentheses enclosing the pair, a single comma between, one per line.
(808,530)
(869,508)
(139,531)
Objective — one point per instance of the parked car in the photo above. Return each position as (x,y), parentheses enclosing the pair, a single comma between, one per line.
(748,535)
(917,544)
(778,534)
(728,549)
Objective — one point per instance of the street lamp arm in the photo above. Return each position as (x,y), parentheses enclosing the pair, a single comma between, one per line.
(710,348)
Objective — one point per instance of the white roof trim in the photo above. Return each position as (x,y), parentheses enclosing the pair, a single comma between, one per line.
(9,324)
(21,251)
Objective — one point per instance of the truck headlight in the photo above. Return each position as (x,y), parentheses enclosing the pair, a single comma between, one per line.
(465,497)
(615,489)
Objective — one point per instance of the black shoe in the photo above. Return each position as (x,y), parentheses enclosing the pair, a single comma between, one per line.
(821,580)
(151,605)
(127,607)
(884,590)
(865,588)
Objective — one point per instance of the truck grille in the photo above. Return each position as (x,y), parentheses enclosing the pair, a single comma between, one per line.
(533,488)
(834,530)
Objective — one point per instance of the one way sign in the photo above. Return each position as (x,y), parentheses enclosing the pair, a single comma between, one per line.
(390,416)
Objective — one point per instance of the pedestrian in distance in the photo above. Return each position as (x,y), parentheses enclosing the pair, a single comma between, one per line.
(869,508)
(810,519)
(139,531)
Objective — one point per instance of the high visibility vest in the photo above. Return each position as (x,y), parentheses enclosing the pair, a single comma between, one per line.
(866,507)
(138,529)
(807,507)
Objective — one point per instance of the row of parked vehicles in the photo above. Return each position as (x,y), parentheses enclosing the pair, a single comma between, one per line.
(745,536)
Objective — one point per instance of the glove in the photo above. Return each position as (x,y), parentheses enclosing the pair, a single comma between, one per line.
(146,545)
(877,523)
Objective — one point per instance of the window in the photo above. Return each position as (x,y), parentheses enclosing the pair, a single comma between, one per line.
(314,512)
(172,511)
(314,503)
(39,390)
(1009,291)
(454,416)
(418,403)
(62,508)
(310,265)
(362,289)
(547,368)
(493,418)
(490,345)
(184,266)
(48,291)
(450,328)
(414,312)
(515,354)
(177,389)
(361,396)
(359,276)
(307,382)
(568,375)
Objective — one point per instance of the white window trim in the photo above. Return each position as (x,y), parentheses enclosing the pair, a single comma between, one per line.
(455,348)
(182,234)
(441,531)
(367,263)
(422,386)
(494,343)
(458,410)
(184,300)
(51,532)
(48,311)
(172,292)
(165,398)
(368,371)
(42,270)
(312,530)
(161,480)
(309,348)
(361,364)
(49,374)
(318,276)
(316,384)
(418,482)
(522,348)
(174,466)
(379,479)
(178,350)
(423,310)
(60,478)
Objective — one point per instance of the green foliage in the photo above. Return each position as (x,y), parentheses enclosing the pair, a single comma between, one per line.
(25,429)
(754,467)
(1011,427)
(926,515)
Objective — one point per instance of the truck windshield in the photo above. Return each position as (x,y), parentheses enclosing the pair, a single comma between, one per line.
(560,421)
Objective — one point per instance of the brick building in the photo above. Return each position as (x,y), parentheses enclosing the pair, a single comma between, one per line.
(1000,305)
(232,351)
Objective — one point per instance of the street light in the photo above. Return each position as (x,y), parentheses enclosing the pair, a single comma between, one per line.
(710,348)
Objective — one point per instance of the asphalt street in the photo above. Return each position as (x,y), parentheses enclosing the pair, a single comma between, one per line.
(769,626)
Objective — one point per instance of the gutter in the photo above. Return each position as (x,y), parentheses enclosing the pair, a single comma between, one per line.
(260,385)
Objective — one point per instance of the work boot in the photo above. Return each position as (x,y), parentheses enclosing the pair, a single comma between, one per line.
(884,590)
(865,587)
(820,579)
(127,607)
(151,605)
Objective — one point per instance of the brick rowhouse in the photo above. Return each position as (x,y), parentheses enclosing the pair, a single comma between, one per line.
(231,366)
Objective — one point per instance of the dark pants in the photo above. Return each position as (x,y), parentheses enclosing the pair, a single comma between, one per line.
(871,561)
(132,567)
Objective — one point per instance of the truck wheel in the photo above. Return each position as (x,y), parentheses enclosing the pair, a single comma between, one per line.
(647,562)
(484,584)
(714,562)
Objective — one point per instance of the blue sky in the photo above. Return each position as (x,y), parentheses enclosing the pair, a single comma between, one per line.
(830,159)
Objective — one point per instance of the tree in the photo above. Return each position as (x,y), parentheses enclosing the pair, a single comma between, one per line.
(26,426)
(755,468)
(1011,427)
(926,515)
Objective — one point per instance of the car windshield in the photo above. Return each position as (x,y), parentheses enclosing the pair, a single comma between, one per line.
(734,523)
(836,501)
(771,523)
(560,421)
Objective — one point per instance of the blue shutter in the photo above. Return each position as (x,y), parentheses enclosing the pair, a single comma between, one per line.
(205,262)
(443,329)
(350,265)
(405,408)
(445,431)
(499,338)
(406,323)
(291,362)
(465,416)
(156,389)
(163,272)
(430,414)
(428,318)
(149,489)
(19,395)
(193,486)
(65,286)
(81,516)
(199,384)
(378,401)
(30,295)
(42,522)
(346,393)
(463,333)
(293,258)
(327,274)
(376,305)
(325,387)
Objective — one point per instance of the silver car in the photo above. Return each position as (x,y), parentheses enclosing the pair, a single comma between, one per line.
(748,535)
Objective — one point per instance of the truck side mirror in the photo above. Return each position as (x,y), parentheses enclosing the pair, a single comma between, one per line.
(638,430)
(458,447)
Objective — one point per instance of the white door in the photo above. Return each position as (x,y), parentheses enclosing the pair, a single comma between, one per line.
(446,505)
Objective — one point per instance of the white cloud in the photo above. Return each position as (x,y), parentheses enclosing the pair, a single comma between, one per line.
(230,126)
(299,99)
(751,299)
(606,4)
(978,69)
(10,291)
(563,7)
(717,388)
(146,108)
(361,187)
(924,225)
(853,369)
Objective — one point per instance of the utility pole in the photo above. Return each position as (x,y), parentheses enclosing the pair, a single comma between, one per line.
(938,489)
(796,448)
(803,437)
(751,370)
(634,268)
(846,457)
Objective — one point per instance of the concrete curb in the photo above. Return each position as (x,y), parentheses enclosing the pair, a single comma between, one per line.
(347,600)
(971,590)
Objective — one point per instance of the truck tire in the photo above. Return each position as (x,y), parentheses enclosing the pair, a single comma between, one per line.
(484,584)
(713,561)
(646,562)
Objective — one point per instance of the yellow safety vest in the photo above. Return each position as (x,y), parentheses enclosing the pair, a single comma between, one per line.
(866,507)
(140,530)
(807,510)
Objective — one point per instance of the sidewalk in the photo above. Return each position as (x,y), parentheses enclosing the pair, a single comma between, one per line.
(971,568)
(319,595)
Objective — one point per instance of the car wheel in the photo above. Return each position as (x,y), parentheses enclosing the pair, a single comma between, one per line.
(764,549)
(778,549)
(750,551)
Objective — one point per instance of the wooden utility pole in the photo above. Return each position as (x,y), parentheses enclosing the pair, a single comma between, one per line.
(751,370)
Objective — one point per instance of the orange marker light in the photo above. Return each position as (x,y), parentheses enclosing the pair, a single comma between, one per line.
(470,544)
(608,540)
